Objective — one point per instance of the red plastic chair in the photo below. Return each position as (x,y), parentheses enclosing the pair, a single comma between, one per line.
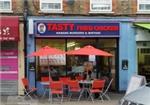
(79,78)
(64,80)
(27,89)
(74,87)
(44,79)
(56,88)
(104,94)
(97,87)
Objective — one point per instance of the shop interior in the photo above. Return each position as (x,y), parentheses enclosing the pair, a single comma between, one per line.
(73,65)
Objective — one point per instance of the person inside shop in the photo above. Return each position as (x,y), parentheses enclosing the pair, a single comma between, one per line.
(106,75)
(44,71)
(54,74)
(87,74)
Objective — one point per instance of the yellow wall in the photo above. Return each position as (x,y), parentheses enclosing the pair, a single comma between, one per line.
(21,59)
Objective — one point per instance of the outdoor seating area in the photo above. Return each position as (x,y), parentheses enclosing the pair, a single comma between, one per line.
(82,84)
(68,90)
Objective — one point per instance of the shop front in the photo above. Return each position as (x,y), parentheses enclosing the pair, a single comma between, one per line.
(143,49)
(70,34)
(9,37)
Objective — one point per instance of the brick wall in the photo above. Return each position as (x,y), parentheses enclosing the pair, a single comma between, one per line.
(134,6)
(77,7)
(17,6)
(33,7)
(82,7)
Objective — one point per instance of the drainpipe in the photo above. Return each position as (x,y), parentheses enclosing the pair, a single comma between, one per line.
(25,14)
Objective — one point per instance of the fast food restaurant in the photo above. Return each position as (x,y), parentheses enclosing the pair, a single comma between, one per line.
(68,33)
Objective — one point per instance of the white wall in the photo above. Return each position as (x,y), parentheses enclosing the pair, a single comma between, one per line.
(142,34)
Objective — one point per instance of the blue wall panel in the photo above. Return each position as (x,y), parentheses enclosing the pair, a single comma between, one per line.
(41,89)
(30,49)
(127,51)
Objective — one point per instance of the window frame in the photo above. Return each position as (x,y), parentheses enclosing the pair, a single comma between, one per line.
(100,11)
(142,2)
(52,10)
(6,10)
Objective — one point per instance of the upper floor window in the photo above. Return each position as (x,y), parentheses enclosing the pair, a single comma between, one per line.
(101,5)
(5,5)
(143,6)
(51,5)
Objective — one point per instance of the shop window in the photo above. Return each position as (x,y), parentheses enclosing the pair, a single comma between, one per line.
(8,45)
(51,6)
(143,6)
(145,51)
(55,62)
(147,59)
(101,6)
(5,5)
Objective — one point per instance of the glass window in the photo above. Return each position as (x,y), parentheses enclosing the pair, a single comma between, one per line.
(5,5)
(101,5)
(75,65)
(8,45)
(50,5)
(57,62)
(144,61)
(73,44)
(143,6)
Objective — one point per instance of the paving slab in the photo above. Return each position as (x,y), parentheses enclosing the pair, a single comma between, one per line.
(19,100)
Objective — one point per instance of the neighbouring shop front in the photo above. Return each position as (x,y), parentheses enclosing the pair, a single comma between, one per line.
(143,49)
(69,34)
(9,37)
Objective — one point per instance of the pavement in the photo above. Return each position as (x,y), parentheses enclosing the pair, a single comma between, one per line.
(19,100)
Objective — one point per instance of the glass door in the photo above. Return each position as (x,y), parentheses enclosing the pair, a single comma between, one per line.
(108,64)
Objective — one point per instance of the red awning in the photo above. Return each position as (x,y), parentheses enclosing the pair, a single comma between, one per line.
(45,51)
(89,50)
(9,28)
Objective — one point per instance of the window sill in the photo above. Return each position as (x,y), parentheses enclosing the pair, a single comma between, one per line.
(50,11)
(101,12)
(6,11)
(143,12)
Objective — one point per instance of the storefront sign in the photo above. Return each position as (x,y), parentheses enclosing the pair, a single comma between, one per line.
(9,65)
(9,28)
(6,53)
(73,29)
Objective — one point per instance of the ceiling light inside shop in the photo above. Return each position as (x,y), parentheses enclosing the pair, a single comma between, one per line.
(76,48)
(71,44)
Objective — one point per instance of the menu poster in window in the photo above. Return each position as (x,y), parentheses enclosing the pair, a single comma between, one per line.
(135,82)
(53,60)
(92,58)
